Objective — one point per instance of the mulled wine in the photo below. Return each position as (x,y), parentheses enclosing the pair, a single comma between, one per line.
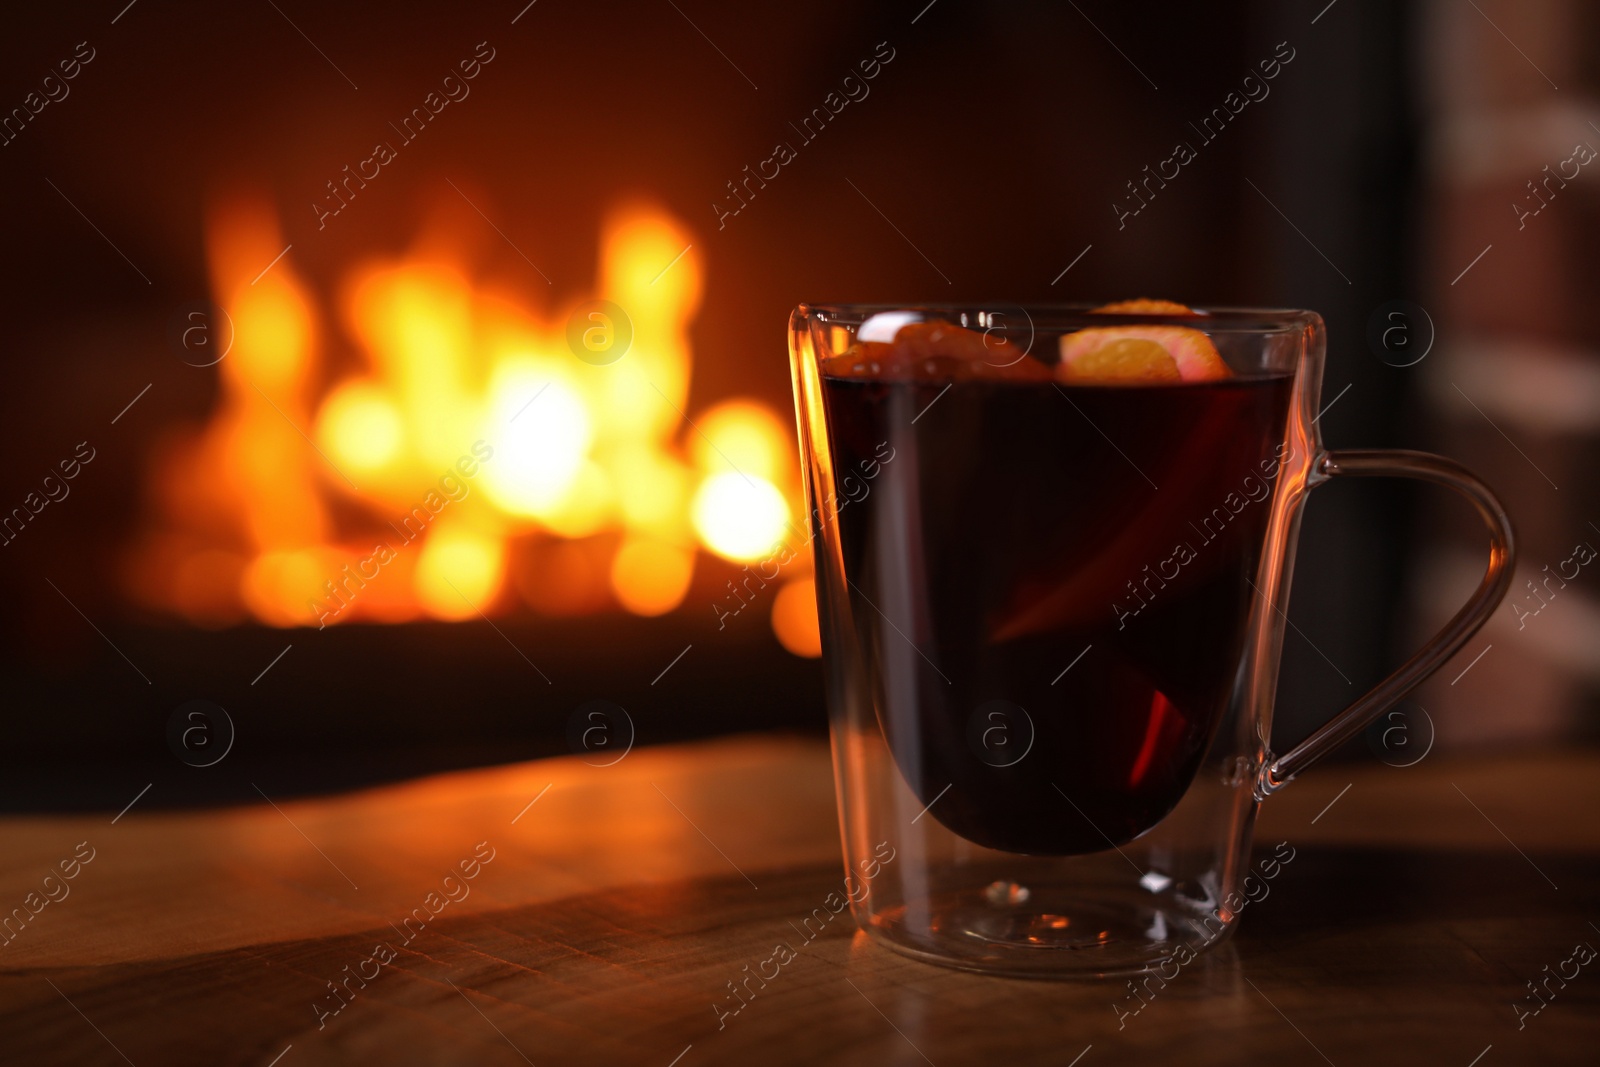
(1060,567)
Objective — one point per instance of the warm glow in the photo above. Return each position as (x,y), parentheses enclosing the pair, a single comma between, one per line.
(415,320)
(279,586)
(740,517)
(794,618)
(412,439)
(360,426)
(651,578)
(458,573)
(543,433)
(271,333)
(743,434)
(587,507)
(652,490)
(568,578)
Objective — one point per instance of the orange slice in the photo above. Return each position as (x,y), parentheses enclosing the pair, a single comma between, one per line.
(920,340)
(935,351)
(1109,355)
(1145,306)
(1140,353)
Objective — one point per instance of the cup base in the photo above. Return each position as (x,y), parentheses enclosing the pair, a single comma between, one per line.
(1007,929)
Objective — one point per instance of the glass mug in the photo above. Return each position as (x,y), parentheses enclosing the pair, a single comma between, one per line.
(1052,615)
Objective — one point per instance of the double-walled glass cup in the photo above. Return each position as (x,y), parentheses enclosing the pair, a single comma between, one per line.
(1052,612)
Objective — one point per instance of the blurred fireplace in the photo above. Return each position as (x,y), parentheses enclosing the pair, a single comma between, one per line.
(202,536)
(420,521)
(415,440)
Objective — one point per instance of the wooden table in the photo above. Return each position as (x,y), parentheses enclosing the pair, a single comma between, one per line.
(611,915)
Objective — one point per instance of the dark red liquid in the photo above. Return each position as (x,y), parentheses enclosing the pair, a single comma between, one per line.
(1007,535)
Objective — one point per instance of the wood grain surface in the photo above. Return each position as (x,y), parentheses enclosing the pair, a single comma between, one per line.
(618,905)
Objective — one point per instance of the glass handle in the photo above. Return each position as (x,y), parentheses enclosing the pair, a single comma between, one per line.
(1383,463)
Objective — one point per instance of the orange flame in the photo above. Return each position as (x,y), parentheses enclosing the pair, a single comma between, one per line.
(469,459)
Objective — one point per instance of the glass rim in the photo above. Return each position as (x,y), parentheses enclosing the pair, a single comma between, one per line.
(1075,315)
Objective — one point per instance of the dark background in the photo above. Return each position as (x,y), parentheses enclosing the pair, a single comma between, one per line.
(995,142)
